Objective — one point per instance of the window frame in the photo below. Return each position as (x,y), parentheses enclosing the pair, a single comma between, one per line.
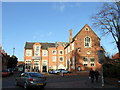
(62,58)
(29,51)
(87,40)
(54,59)
(44,53)
(60,52)
(55,52)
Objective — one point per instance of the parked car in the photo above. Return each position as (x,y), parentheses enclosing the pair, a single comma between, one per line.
(64,71)
(11,70)
(31,79)
(5,73)
(58,71)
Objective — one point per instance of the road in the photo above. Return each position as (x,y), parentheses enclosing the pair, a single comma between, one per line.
(57,81)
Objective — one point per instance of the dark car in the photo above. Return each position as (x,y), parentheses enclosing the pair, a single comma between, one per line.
(31,79)
(5,73)
(11,70)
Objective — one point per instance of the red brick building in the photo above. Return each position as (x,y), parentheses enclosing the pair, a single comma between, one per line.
(79,53)
(5,57)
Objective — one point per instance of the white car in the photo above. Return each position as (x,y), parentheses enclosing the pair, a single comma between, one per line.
(58,71)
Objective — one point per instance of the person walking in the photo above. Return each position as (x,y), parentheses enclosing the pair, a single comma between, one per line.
(91,75)
(96,75)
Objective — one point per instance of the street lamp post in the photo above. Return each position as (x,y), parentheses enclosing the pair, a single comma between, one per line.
(101,61)
(13,51)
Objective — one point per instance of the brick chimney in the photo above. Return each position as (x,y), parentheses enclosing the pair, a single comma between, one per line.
(70,38)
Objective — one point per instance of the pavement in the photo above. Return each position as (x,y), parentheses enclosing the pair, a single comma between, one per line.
(86,83)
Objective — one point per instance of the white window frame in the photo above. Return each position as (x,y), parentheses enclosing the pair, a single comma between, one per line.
(38,64)
(55,52)
(92,62)
(86,28)
(87,42)
(73,46)
(66,51)
(36,51)
(84,62)
(30,52)
(54,58)
(27,61)
(60,57)
(44,53)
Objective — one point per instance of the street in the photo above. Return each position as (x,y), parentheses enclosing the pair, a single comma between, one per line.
(57,81)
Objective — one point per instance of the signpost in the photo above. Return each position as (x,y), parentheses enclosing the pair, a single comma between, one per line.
(101,61)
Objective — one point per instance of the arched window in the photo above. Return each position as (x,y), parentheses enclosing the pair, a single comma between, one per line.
(87,42)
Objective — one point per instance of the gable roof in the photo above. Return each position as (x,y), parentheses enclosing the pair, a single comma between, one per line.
(82,29)
(29,45)
(78,33)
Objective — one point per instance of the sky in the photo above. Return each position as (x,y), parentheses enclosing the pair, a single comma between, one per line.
(46,22)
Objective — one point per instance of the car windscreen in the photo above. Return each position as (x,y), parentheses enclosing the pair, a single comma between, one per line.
(35,75)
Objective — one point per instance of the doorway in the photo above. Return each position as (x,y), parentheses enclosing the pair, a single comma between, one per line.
(44,69)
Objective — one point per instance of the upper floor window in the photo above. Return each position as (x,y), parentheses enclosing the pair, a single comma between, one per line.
(36,62)
(87,42)
(61,59)
(68,49)
(28,52)
(37,51)
(44,52)
(37,48)
(53,51)
(87,29)
(73,46)
(61,52)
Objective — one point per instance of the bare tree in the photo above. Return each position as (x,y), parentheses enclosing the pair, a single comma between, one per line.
(108,21)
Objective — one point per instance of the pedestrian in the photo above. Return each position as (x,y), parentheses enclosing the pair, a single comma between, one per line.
(96,75)
(91,75)
(78,68)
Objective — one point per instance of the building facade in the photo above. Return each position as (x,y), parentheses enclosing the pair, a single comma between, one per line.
(80,53)
(4,59)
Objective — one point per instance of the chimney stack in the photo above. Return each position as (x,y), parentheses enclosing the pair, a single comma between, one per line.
(70,38)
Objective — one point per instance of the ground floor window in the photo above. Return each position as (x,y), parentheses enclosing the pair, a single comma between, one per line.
(85,64)
(89,61)
(44,66)
(36,66)
(28,65)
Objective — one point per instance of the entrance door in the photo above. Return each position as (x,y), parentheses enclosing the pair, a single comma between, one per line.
(44,69)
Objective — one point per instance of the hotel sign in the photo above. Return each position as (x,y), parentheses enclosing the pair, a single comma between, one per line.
(38,58)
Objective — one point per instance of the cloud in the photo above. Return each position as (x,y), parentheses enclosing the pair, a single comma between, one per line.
(42,35)
(61,6)
(34,37)
(49,33)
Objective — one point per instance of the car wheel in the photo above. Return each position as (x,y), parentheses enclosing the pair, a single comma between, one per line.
(25,86)
(16,83)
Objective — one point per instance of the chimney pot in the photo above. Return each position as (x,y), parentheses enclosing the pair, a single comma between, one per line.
(70,38)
